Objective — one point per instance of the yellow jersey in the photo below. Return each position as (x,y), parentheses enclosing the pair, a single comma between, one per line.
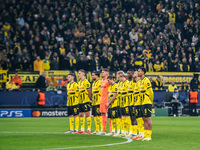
(118,93)
(131,87)
(111,90)
(146,92)
(96,92)
(137,93)
(72,94)
(83,92)
(124,94)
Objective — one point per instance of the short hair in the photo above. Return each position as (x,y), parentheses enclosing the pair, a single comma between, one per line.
(105,69)
(82,70)
(131,70)
(71,74)
(143,69)
(96,73)
(111,77)
(121,73)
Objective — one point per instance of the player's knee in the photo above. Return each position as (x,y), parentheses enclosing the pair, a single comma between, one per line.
(81,114)
(103,114)
(148,119)
(87,114)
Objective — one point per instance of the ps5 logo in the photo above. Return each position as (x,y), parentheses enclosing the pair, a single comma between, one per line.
(10,113)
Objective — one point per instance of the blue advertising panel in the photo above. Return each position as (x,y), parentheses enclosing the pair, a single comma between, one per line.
(15,113)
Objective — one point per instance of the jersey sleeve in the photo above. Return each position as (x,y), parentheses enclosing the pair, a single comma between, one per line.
(147,84)
(76,87)
(149,90)
(127,84)
(115,89)
(87,84)
(99,85)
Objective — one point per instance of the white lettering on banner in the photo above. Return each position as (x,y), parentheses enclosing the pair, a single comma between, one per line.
(18,114)
(12,113)
(54,113)
(4,113)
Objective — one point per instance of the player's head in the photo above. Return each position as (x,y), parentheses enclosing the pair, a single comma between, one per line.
(111,79)
(70,77)
(141,71)
(81,73)
(95,75)
(105,72)
(130,73)
(135,75)
(120,75)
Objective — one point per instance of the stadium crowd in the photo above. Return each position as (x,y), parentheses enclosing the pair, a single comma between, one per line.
(93,34)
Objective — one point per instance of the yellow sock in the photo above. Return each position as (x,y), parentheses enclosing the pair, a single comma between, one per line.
(113,124)
(149,133)
(77,123)
(98,123)
(142,122)
(82,123)
(128,124)
(101,123)
(95,122)
(71,123)
(89,123)
(140,126)
(123,125)
(118,121)
(145,133)
(134,129)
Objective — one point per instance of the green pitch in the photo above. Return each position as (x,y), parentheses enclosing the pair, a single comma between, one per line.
(181,133)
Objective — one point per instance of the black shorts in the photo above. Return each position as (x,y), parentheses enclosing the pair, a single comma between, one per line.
(122,111)
(119,111)
(146,110)
(73,110)
(127,112)
(85,107)
(113,113)
(131,110)
(138,111)
(96,110)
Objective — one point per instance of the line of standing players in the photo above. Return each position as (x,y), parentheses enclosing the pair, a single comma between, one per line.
(127,103)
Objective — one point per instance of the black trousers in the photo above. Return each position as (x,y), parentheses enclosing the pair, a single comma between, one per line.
(193,109)
(175,108)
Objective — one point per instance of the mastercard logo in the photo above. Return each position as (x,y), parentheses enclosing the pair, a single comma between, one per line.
(36,113)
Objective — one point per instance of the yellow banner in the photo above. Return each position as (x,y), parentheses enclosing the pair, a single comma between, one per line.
(3,76)
(26,77)
(168,77)
(57,74)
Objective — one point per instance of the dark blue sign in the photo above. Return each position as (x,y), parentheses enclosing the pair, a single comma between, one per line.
(15,113)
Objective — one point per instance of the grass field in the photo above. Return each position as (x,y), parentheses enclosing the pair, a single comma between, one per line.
(181,133)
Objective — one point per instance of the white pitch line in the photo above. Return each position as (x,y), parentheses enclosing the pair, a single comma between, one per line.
(10,132)
(128,141)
